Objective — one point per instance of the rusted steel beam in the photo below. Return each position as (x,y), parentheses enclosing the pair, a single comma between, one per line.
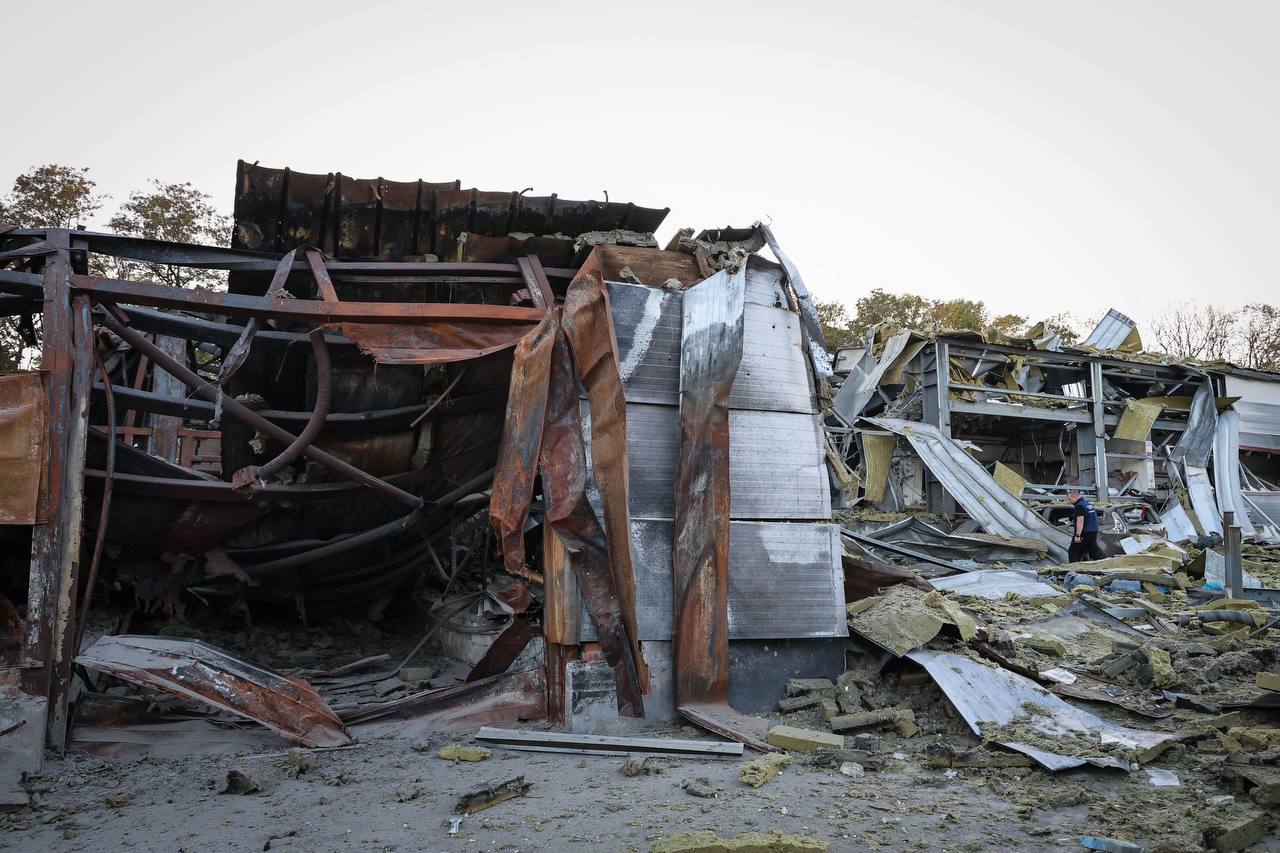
(104,512)
(70,518)
(564,479)
(710,351)
(233,407)
(301,310)
(588,323)
(535,279)
(163,441)
(246,476)
(521,438)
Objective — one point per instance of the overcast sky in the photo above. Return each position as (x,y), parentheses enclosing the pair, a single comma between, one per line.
(1038,156)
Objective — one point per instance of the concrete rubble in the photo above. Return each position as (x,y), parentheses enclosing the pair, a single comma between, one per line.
(440,460)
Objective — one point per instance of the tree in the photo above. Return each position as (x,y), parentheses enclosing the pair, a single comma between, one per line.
(1066,326)
(1013,325)
(1189,330)
(51,196)
(48,196)
(178,213)
(905,310)
(835,325)
(1258,337)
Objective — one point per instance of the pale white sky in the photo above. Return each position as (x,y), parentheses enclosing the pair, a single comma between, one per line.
(1038,156)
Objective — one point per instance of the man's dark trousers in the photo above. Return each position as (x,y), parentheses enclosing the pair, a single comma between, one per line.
(1086,549)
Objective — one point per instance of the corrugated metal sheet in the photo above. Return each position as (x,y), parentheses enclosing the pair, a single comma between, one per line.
(776,467)
(968,482)
(279,209)
(986,695)
(995,584)
(1112,332)
(784,580)
(862,383)
(772,374)
(1226,470)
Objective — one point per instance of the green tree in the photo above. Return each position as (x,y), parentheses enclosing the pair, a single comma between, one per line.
(178,213)
(1013,325)
(48,196)
(835,325)
(879,306)
(958,314)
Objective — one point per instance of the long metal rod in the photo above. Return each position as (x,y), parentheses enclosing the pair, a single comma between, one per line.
(117,322)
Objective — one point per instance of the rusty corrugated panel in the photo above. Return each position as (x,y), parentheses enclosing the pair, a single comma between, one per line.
(521,438)
(278,209)
(588,323)
(564,480)
(23,408)
(199,672)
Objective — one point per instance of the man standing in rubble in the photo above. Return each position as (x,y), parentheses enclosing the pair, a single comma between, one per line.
(1084,530)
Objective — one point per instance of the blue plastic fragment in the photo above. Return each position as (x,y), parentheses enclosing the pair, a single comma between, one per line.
(1125,586)
(1113,845)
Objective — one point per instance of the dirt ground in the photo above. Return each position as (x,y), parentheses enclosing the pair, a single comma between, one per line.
(385,794)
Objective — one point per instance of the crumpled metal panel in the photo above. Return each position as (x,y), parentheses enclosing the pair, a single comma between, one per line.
(710,350)
(775,461)
(772,376)
(1265,507)
(1202,501)
(923,536)
(1196,441)
(815,340)
(1115,332)
(1226,470)
(1259,409)
(23,410)
(866,377)
(200,672)
(964,478)
(766,283)
(521,438)
(1177,524)
(988,696)
(769,563)
(563,464)
(587,322)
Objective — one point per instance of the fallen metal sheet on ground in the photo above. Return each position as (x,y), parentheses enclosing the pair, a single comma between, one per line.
(990,697)
(538,741)
(199,672)
(995,584)
(968,482)
(130,728)
(1087,633)
(986,548)
(498,699)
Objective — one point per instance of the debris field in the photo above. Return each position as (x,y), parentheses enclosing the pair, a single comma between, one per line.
(476,520)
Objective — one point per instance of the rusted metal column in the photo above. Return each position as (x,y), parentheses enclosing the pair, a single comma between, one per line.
(72,515)
(55,544)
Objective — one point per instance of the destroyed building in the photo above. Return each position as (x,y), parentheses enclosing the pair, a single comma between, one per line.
(448,458)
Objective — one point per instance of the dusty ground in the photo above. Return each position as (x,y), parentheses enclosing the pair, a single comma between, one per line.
(385,795)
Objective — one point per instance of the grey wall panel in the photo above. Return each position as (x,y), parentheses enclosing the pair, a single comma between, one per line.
(773,375)
(646,321)
(765,283)
(776,465)
(785,580)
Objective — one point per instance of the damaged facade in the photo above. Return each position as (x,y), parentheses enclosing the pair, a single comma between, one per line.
(574,476)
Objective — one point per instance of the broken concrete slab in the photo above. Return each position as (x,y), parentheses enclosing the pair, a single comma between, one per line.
(791,704)
(901,718)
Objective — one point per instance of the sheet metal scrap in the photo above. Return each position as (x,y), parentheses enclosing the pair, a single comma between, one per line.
(968,482)
(199,672)
(992,700)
